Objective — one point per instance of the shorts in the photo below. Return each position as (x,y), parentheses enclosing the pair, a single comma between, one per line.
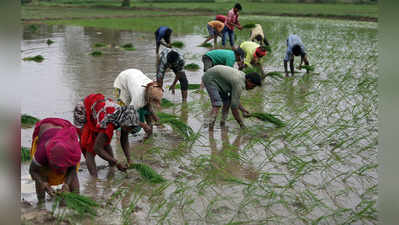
(211,31)
(208,63)
(217,99)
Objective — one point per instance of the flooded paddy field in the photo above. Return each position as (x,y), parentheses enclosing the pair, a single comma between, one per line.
(319,169)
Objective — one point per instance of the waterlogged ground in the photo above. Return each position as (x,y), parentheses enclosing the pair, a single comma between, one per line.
(319,169)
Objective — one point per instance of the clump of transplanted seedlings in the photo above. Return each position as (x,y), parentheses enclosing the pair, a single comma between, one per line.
(28,121)
(190,86)
(177,44)
(99,45)
(165,103)
(248,26)
(49,42)
(128,47)
(182,128)
(147,172)
(37,58)
(96,53)
(191,67)
(81,204)
(268,117)
(25,154)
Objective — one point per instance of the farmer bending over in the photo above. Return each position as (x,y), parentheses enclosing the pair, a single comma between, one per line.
(258,35)
(55,156)
(172,59)
(224,86)
(230,23)
(254,52)
(99,117)
(134,88)
(162,33)
(215,29)
(295,47)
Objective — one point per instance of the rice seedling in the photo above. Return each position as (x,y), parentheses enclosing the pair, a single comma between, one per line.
(268,117)
(81,204)
(96,53)
(275,74)
(165,103)
(248,26)
(206,45)
(308,68)
(190,86)
(49,42)
(182,128)
(268,48)
(37,58)
(177,44)
(33,28)
(25,154)
(99,45)
(192,67)
(28,121)
(147,173)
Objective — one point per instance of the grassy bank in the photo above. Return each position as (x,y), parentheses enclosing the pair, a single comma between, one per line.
(112,9)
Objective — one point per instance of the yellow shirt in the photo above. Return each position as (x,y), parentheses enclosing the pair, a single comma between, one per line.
(217,25)
(249,48)
(257,30)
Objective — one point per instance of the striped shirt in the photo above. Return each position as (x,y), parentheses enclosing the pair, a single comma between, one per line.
(164,65)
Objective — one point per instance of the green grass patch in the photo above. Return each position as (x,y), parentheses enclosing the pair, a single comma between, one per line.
(177,44)
(49,42)
(28,121)
(165,103)
(182,128)
(147,173)
(268,117)
(25,154)
(81,204)
(190,86)
(96,53)
(38,58)
(99,45)
(192,67)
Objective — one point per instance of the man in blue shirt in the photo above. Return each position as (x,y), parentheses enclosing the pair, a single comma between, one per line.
(295,47)
(162,33)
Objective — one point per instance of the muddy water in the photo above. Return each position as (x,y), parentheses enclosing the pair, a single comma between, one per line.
(315,169)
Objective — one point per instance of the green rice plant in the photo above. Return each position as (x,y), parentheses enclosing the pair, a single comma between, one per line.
(99,45)
(275,74)
(33,28)
(165,103)
(25,154)
(128,47)
(78,203)
(192,67)
(28,121)
(308,68)
(268,48)
(147,173)
(185,130)
(268,117)
(38,58)
(49,42)
(190,86)
(206,45)
(248,26)
(177,44)
(96,53)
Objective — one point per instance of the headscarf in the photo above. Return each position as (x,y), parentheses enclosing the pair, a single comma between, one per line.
(125,116)
(154,94)
(260,52)
(79,115)
(63,149)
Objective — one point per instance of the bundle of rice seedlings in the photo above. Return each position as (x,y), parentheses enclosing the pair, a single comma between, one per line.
(182,128)
(28,121)
(268,117)
(275,74)
(79,203)
(190,86)
(191,67)
(165,103)
(308,67)
(37,58)
(25,154)
(177,44)
(33,28)
(49,42)
(249,25)
(206,45)
(128,47)
(96,53)
(147,173)
(99,45)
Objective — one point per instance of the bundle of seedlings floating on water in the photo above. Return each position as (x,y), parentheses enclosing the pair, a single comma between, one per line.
(165,103)
(38,58)
(182,128)
(78,203)
(25,154)
(49,42)
(248,26)
(190,86)
(206,45)
(147,173)
(275,74)
(99,45)
(28,121)
(308,68)
(191,67)
(96,53)
(268,117)
(33,28)
(128,47)
(177,44)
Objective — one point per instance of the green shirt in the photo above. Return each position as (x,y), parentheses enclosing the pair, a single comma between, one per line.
(222,57)
(228,81)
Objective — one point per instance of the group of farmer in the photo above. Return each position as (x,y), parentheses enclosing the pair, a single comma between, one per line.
(57,144)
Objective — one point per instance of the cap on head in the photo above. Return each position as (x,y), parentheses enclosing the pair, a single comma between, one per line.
(254,77)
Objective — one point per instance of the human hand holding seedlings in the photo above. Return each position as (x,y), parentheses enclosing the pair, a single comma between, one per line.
(48,189)
(172,89)
(121,167)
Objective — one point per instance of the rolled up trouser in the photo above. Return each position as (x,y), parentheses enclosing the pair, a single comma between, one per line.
(207,62)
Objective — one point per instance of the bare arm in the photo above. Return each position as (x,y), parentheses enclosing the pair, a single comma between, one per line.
(35,171)
(292,65)
(72,180)
(236,115)
(243,110)
(99,144)
(124,139)
(172,87)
